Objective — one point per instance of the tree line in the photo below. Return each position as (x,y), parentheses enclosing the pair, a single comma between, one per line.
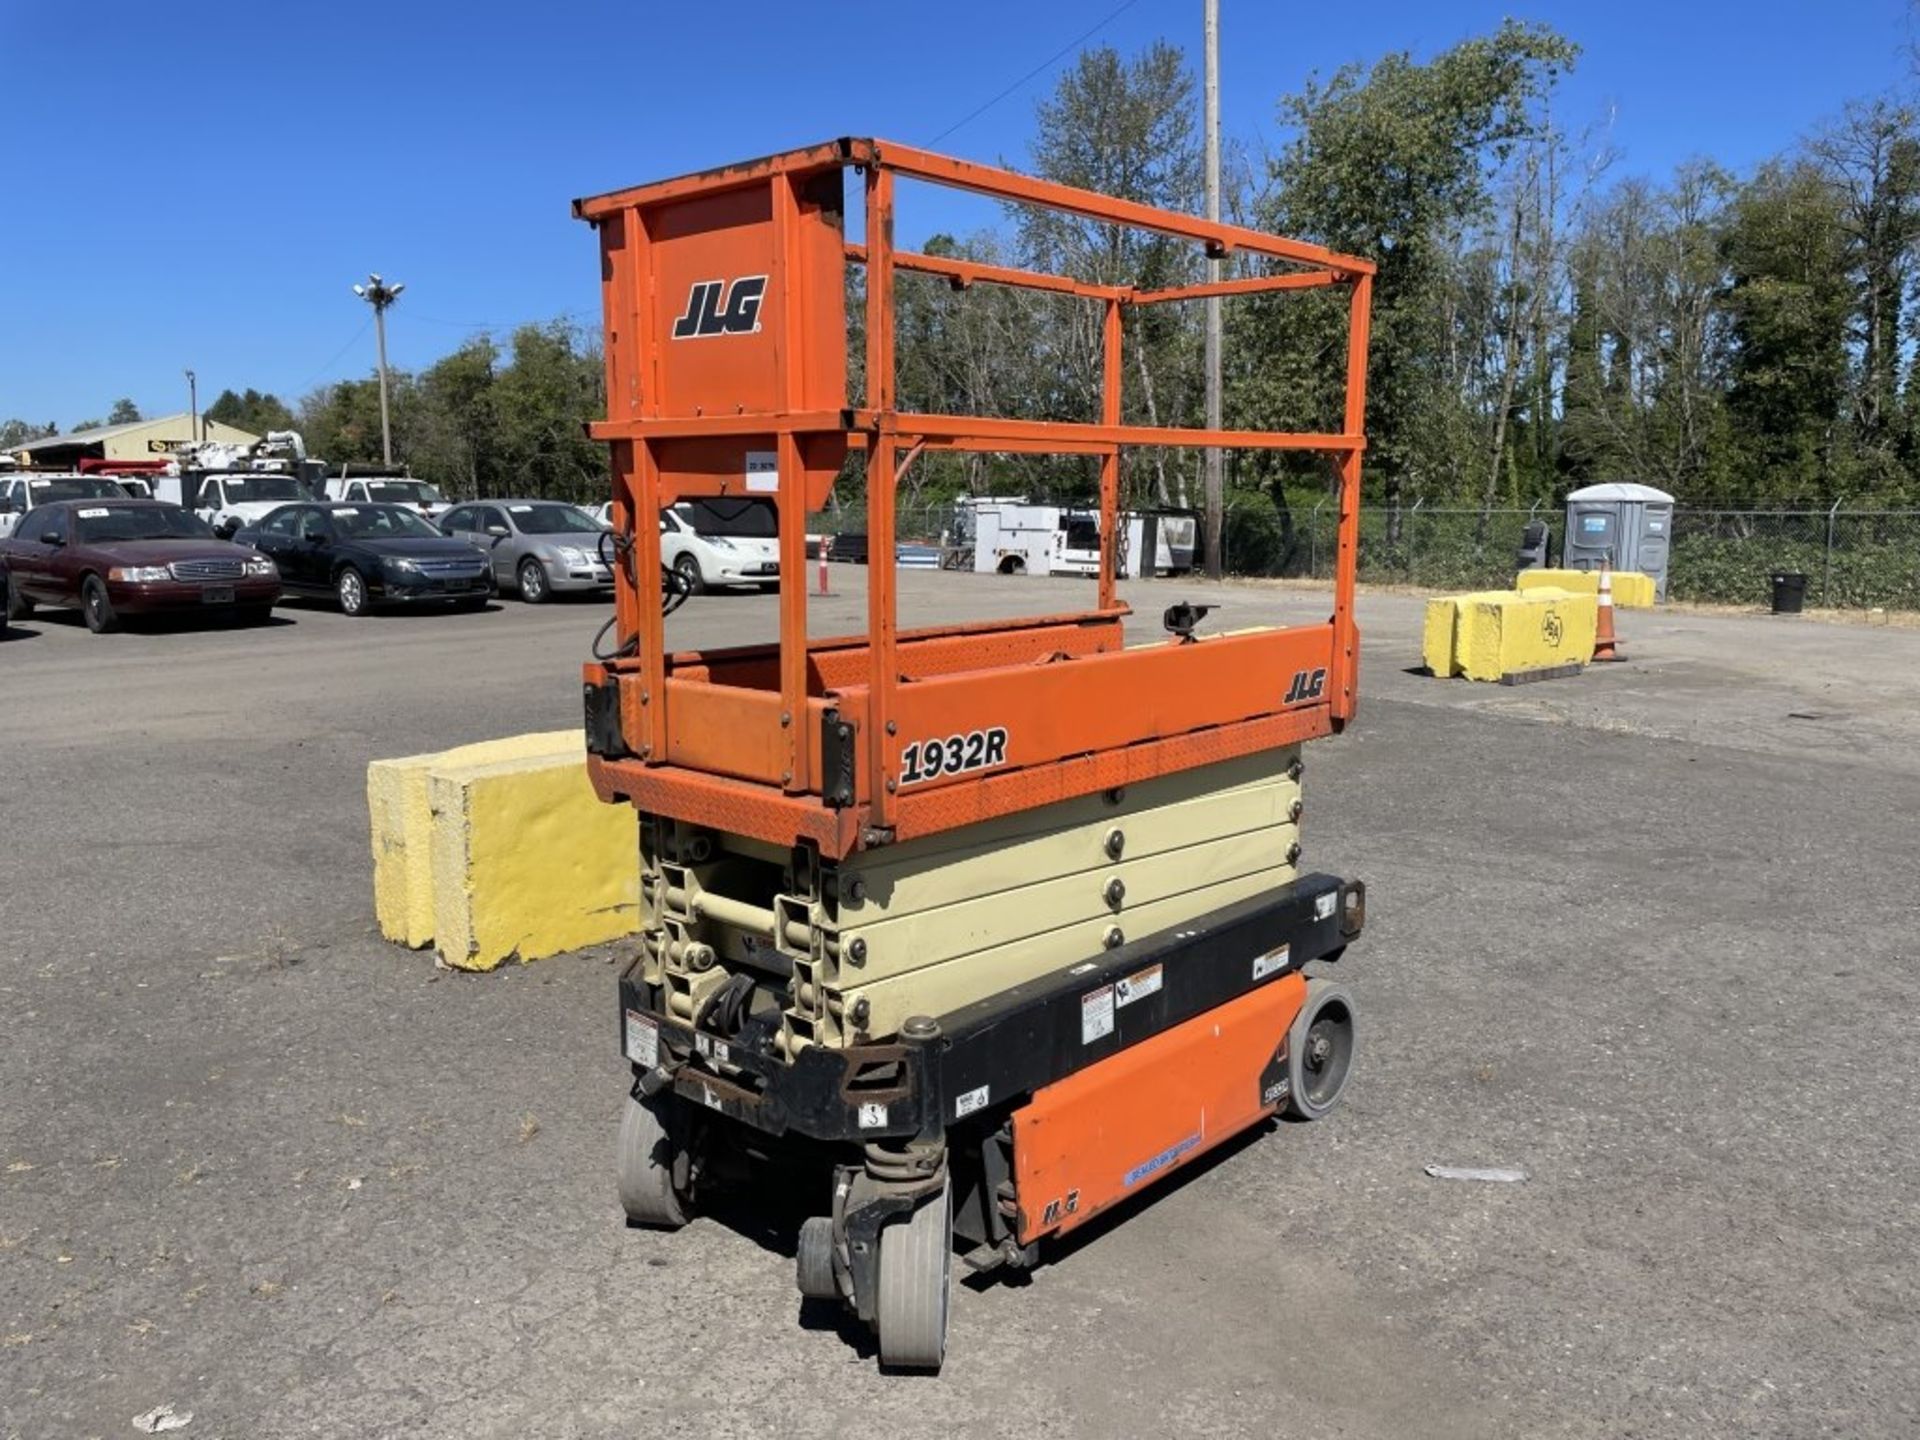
(1541,319)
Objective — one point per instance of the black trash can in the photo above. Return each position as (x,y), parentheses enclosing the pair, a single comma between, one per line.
(1789,592)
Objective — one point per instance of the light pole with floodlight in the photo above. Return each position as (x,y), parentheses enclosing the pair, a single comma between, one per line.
(379,294)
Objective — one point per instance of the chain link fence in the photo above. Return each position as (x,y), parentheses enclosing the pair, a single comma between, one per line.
(1851,558)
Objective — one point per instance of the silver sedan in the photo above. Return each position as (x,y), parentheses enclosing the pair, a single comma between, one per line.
(540,548)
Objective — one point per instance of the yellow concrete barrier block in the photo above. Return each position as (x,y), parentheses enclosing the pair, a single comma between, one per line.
(1509,632)
(1437,640)
(1631,589)
(402,827)
(527,861)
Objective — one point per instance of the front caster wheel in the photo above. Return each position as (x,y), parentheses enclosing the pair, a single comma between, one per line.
(916,1261)
(652,1166)
(813,1260)
(1319,1051)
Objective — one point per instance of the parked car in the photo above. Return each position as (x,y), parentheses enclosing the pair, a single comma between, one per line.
(541,548)
(417,495)
(113,558)
(368,555)
(6,598)
(19,494)
(713,542)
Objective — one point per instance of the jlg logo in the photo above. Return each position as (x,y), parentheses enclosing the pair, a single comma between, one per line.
(715,308)
(1307,685)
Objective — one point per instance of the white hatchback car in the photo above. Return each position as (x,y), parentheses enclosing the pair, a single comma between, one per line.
(718,542)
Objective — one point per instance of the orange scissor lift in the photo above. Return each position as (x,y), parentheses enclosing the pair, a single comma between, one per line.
(841,837)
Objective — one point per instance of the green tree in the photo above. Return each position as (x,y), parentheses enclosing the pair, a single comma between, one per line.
(14,434)
(251,410)
(1124,128)
(1872,158)
(541,403)
(459,428)
(1789,299)
(124,412)
(341,422)
(1396,163)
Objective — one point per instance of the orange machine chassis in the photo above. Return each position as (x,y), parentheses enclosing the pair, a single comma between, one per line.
(726,372)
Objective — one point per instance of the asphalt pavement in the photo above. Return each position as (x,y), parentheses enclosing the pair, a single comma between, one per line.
(1648,934)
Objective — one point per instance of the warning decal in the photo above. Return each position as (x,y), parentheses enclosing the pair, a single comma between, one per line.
(1137,986)
(1096,1014)
(1272,962)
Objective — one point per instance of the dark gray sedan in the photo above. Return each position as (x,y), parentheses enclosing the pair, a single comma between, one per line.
(540,548)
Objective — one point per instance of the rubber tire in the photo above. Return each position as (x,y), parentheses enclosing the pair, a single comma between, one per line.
(19,607)
(688,569)
(97,607)
(351,582)
(813,1259)
(1013,565)
(646,1155)
(1330,1002)
(541,590)
(916,1267)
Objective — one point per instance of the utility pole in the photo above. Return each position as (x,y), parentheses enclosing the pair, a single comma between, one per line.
(1215,483)
(377,293)
(193,408)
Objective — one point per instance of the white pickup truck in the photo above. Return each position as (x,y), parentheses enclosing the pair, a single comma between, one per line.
(230,500)
(417,495)
(20,493)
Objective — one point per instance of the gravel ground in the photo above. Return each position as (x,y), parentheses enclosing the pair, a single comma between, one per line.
(1648,933)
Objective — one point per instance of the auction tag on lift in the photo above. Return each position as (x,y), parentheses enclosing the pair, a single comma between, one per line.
(1096,1014)
(643,1040)
(763,472)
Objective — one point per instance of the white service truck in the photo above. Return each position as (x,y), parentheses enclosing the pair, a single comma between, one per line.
(1013,537)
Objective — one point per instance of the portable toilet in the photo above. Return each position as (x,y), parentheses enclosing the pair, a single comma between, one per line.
(1629,525)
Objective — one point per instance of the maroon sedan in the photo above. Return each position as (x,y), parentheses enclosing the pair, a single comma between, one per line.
(131,557)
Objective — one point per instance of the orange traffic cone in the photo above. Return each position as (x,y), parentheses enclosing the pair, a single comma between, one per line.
(1605,645)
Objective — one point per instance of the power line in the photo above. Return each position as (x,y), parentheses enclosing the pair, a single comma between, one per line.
(331,360)
(1039,69)
(500,325)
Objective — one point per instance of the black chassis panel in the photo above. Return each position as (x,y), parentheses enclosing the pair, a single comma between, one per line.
(1009,1045)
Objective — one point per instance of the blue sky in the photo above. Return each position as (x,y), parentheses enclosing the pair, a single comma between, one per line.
(198,184)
